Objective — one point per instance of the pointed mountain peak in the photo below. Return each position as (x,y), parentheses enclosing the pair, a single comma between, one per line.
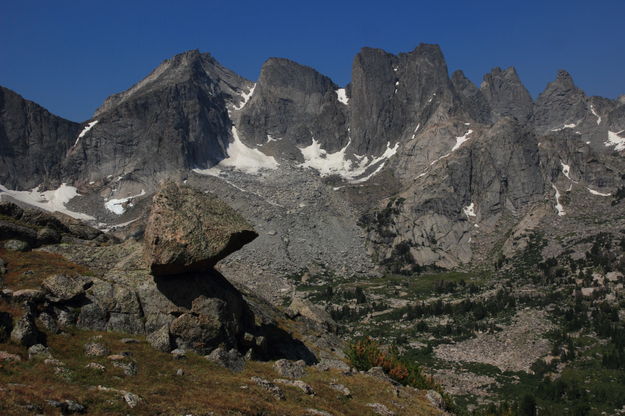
(509,73)
(427,53)
(506,94)
(429,49)
(275,63)
(563,83)
(564,76)
(190,58)
(462,84)
(560,104)
(189,66)
(289,74)
(473,100)
(459,78)
(458,74)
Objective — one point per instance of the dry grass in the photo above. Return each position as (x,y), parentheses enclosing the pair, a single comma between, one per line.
(28,269)
(204,386)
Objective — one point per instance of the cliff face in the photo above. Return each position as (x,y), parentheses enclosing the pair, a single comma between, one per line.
(33,142)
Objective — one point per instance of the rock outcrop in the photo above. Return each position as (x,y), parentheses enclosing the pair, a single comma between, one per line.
(188,230)
(191,306)
(38,228)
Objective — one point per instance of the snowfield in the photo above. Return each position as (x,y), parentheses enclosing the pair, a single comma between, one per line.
(52,201)
(243,158)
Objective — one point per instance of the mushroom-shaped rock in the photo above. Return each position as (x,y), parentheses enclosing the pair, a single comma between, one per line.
(188,230)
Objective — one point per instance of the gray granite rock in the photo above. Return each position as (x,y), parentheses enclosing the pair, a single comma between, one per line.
(26,333)
(188,230)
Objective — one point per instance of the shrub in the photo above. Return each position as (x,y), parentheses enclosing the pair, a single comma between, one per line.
(365,353)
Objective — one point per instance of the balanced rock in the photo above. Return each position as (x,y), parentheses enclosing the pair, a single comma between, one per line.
(188,230)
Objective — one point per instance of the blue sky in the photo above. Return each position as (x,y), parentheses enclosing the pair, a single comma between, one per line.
(70,55)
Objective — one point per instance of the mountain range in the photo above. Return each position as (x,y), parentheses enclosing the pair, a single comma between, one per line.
(405,168)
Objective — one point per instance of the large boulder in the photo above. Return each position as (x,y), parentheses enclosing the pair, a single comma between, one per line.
(160,339)
(290,369)
(26,333)
(12,230)
(231,359)
(64,288)
(188,230)
(16,245)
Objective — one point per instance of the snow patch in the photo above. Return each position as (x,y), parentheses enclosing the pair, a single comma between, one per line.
(341,95)
(592,109)
(566,126)
(469,210)
(559,206)
(592,191)
(243,158)
(566,170)
(337,164)
(245,97)
(52,201)
(615,140)
(118,206)
(414,133)
(270,139)
(108,228)
(460,140)
(85,130)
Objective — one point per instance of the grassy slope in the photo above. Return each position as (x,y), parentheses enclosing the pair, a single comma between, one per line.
(204,387)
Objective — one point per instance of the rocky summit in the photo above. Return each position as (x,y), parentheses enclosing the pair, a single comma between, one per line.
(442,246)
